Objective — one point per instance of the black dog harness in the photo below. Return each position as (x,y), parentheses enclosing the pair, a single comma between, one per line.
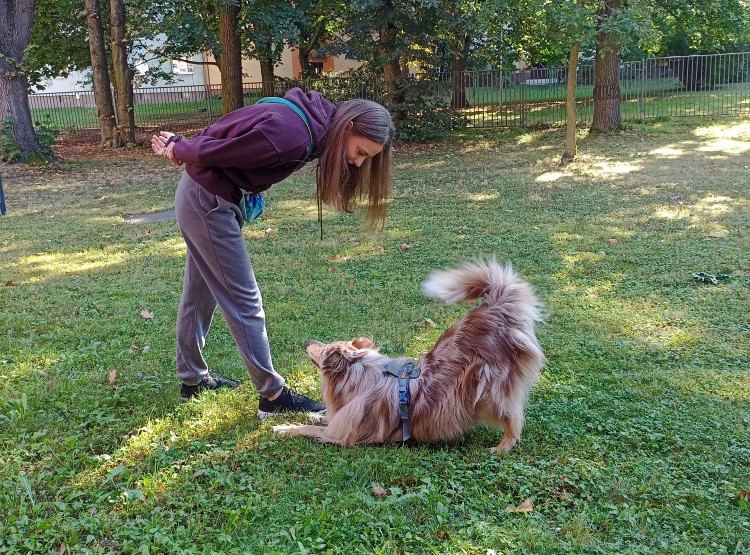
(403,374)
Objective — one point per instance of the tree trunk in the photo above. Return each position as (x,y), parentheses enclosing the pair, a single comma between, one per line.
(460,78)
(16,17)
(309,40)
(304,63)
(102,87)
(389,57)
(570,106)
(230,61)
(122,76)
(267,78)
(607,75)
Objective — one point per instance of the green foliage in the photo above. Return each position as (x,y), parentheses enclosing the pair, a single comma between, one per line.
(59,42)
(47,133)
(363,82)
(9,151)
(268,27)
(695,27)
(426,114)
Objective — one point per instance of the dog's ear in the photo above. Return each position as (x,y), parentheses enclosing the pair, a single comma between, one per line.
(363,343)
(335,361)
(342,356)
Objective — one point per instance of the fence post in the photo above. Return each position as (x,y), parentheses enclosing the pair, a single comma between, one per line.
(642,91)
(209,108)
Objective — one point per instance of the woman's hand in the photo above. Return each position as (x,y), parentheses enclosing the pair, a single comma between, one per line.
(159,146)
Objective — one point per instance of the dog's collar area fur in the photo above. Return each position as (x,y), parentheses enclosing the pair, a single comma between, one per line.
(403,373)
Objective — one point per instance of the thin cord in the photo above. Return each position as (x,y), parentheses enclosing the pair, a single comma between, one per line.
(320,201)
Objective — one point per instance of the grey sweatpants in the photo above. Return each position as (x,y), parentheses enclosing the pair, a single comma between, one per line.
(218,271)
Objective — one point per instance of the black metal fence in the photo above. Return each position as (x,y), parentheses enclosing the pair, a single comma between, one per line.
(707,85)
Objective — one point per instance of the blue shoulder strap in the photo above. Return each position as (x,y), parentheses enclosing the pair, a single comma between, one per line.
(300,113)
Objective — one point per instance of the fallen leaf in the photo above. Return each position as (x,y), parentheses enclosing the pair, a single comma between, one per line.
(4,250)
(525,507)
(744,495)
(379,491)
(613,241)
(443,535)
(380,248)
(405,246)
(147,315)
(331,269)
(112,377)
(716,234)
(10,284)
(62,549)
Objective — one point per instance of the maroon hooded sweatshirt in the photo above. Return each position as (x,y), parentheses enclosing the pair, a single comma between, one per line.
(256,146)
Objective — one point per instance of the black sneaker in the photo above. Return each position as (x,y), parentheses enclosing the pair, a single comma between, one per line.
(288,401)
(213,381)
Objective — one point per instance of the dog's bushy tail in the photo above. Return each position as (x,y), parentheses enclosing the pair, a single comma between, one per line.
(484,278)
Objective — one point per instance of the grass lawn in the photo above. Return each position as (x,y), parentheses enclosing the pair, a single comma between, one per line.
(638,434)
(545,104)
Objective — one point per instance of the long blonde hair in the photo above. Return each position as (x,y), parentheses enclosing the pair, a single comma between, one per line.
(340,185)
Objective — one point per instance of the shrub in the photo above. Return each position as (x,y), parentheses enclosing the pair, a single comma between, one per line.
(423,111)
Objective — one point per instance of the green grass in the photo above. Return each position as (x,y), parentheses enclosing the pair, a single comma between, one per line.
(188,114)
(556,91)
(638,434)
(545,104)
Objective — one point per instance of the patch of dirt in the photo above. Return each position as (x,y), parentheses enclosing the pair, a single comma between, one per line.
(92,152)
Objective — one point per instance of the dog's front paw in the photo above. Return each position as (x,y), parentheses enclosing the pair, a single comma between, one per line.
(504,447)
(283,429)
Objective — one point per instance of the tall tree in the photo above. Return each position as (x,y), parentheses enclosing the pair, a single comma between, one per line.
(230,58)
(100,76)
(122,76)
(390,34)
(270,26)
(319,31)
(569,151)
(462,27)
(607,72)
(16,18)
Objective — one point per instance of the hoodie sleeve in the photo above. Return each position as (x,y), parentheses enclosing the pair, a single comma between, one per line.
(250,150)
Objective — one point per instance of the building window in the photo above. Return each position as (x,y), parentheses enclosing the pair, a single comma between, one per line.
(181,67)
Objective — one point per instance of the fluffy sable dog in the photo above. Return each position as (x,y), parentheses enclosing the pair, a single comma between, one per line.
(480,370)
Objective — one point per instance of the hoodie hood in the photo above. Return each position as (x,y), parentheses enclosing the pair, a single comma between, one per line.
(318,110)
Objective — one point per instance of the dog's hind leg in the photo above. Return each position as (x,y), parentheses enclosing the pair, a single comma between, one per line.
(512,426)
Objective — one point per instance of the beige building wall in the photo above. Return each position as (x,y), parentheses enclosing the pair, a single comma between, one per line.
(289,68)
